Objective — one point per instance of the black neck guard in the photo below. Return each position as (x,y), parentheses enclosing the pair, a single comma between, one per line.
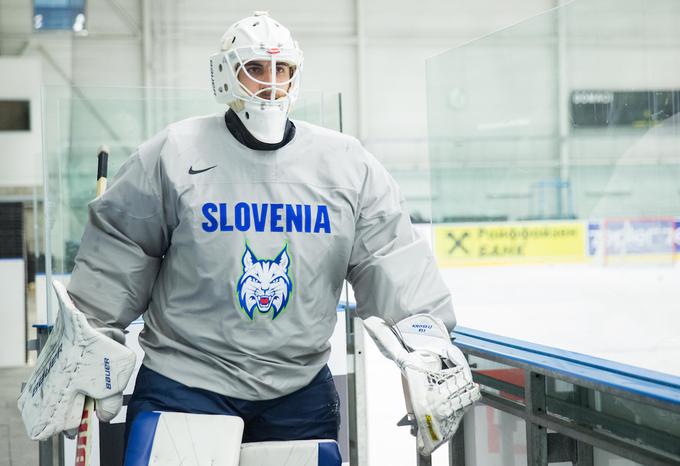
(242,135)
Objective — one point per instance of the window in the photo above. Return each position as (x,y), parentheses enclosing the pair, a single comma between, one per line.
(59,15)
(15,115)
(636,109)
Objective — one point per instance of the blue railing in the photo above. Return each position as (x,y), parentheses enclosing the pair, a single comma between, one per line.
(631,412)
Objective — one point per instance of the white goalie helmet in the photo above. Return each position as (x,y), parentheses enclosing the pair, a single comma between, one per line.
(264,100)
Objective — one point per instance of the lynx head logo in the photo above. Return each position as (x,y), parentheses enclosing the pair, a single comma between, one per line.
(264,285)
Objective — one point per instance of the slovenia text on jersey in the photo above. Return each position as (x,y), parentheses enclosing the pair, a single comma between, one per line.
(274,217)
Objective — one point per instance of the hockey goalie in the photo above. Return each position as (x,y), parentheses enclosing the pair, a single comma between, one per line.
(232,234)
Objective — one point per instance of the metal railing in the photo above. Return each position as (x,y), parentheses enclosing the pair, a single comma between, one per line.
(572,403)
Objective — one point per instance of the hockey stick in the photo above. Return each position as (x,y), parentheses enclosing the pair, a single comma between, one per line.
(102,164)
(84,439)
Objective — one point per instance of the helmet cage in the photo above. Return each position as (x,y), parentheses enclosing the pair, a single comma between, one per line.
(227,65)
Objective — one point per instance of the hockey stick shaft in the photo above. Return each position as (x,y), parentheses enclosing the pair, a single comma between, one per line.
(102,164)
(84,439)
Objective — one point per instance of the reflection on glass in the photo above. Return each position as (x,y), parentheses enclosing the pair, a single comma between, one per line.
(498,379)
(555,167)
(494,438)
(615,416)
(78,121)
(605,458)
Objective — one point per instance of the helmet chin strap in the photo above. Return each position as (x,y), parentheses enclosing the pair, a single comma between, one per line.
(267,123)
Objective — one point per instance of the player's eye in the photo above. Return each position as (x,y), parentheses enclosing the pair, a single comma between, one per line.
(282,69)
(254,70)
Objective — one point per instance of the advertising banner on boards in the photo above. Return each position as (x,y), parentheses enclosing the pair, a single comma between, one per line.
(510,243)
(633,240)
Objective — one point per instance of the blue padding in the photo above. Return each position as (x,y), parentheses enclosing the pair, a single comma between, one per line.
(329,454)
(652,384)
(140,441)
(344,307)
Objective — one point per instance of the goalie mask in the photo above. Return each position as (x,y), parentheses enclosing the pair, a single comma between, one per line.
(257,73)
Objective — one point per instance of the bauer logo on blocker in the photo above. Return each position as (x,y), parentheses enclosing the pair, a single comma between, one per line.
(107,373)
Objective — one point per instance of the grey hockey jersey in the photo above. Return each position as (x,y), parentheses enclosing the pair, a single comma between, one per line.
(237,257)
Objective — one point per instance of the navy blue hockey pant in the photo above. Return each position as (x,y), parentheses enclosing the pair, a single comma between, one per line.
(312,412)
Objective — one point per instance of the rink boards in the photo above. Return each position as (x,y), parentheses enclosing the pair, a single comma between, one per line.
(625,240)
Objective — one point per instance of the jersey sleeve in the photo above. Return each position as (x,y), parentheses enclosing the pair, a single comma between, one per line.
(392,271)
(126,235)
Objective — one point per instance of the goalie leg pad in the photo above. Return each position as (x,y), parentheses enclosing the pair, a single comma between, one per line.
(164,438)
(188,439)
(77,361)
(291,453)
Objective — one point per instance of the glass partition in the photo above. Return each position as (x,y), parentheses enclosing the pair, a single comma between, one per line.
(496,438)
(555,159)
(77,121)
(623,419)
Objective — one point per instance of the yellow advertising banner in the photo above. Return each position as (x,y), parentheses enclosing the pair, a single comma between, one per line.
(510,243)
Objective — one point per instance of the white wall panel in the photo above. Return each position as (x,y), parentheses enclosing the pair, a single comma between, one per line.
(193,69)
(624,68)
(104,62)
(642,22)
(119,18)
(303,17)
(111,53)
(20,160)
(333,69)
(448,23)
(15,17)
(12,313)
(396,121)
(632,51)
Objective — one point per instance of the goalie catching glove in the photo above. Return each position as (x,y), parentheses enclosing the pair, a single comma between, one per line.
(77,361)
(437,380)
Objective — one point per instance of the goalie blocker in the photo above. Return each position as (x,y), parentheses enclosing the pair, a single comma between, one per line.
(77,361)
(438,385)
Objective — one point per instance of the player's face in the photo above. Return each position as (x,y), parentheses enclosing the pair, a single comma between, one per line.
(261,70)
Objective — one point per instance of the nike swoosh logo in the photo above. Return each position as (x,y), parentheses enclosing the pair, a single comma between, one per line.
(194,172)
